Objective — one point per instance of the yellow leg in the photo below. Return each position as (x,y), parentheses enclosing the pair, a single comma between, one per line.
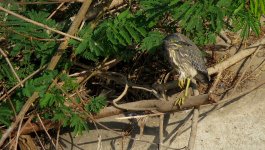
(187,87)
(180,101)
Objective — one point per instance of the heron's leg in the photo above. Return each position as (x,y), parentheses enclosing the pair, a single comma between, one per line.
(180,101)
(187,87)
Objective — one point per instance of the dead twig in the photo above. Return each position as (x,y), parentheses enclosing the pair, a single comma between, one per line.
(57,138)
(139,116)
(247,67)
(18,134)
(123,93)
(31,37)
(49,2)
(42,146)
(216,81)
(51,15)
(161,130)
(99,146)
(235,58)
(46,130)
(11,67)
(123,80)
(23,81)
(39,24)
(193,132)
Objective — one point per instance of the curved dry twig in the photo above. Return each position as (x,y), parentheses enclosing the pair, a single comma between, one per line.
(111,75)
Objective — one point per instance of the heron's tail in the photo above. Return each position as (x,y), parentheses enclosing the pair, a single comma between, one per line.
(202,77)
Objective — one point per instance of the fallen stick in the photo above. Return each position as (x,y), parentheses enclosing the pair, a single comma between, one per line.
(235,58)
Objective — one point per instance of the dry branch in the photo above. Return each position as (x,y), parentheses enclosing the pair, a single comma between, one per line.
(39,24)
(193,131)
(236,58)
(22,82)
(154,104)
(247,67)
(168,106)
(94,11)
(11,66)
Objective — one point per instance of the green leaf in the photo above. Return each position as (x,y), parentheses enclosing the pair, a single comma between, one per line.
(152,41)
(96,104)
(173,2)
(78,124)
(125,35)
(47,99)
(5,115)
(238,9)
(130,28)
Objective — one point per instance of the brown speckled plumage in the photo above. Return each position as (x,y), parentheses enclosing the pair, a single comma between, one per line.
(185,57)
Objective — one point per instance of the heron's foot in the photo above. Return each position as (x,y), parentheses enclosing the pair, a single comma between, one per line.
(181,83)
(180,101)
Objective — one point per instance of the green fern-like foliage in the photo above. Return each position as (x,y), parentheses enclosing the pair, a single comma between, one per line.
(120,32)
(203,20)
(96,104)
(132,30)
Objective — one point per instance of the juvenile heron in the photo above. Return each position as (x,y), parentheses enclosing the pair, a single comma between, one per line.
(186,58)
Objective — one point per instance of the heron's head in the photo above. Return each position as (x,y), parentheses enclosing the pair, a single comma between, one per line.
(172,41)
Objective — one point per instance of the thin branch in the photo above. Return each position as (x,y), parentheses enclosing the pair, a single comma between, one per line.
(216,81)
(235,58)
(57,138)
(122,94)
(139,116)
(18,134)
(39,24)
(11,67)
(42,146)
(23,81)
(48,2)
(122,79)
(247,67)
(99,146)
(72,30)
(161,130)
(53,13)
(31,37)
(46,130)
(193,131)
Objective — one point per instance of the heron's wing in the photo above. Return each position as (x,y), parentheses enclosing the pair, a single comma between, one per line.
(192,54)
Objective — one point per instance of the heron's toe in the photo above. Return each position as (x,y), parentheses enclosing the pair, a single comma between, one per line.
(181,83)
(180,101)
